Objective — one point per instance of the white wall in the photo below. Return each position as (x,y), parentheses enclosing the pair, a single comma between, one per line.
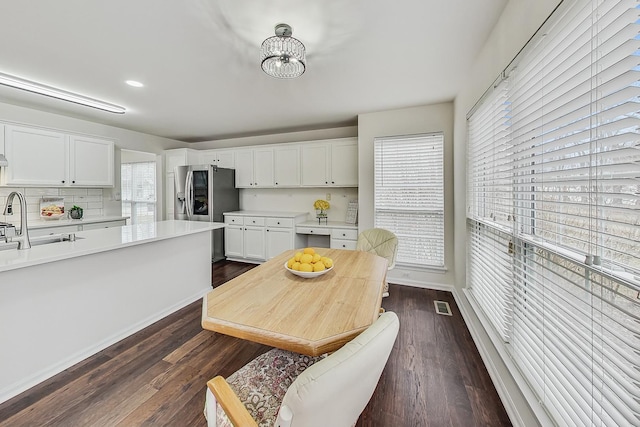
(408,121)
(298,200)
(518,22)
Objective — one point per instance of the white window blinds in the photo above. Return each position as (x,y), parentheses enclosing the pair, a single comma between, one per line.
(554,213)
(409,196)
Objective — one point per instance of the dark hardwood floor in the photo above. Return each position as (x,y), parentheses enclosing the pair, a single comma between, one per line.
(434,377)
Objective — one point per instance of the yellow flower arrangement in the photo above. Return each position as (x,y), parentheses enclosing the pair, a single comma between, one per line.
(321,205)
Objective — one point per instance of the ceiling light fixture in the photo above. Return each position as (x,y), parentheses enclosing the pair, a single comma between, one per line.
(20,83)
(283,56)
(134,83)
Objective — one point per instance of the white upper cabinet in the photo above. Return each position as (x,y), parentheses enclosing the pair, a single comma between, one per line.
(327,163)
(220,158)
(91,162)
(36,157)
(263,167)
(254,168)
(244,168)
(42,157)
(333,163)
(344,163)
(286,161)
(180,157)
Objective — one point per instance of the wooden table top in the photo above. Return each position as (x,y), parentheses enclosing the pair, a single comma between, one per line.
(272,306)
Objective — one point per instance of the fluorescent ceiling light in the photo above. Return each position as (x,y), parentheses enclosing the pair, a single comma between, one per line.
(20,83)
(134,83)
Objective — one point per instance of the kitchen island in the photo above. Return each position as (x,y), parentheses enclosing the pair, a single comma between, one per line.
(62,302)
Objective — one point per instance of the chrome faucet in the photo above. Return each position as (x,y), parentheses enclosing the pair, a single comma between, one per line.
(23,236)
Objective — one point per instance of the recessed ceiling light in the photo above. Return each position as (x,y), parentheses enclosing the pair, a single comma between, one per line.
(134,83)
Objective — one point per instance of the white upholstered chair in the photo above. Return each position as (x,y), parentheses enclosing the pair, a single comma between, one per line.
(382,243)
(286,389)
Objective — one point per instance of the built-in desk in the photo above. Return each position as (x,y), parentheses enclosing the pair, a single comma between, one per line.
(332,234)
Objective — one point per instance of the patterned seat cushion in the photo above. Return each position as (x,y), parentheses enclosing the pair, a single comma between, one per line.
(262,383)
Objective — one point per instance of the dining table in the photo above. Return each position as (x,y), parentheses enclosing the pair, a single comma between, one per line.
(270,305)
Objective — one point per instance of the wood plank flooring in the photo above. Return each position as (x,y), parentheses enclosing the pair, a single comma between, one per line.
(157,377)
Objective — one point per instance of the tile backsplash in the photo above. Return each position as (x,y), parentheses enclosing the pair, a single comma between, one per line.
(89,199)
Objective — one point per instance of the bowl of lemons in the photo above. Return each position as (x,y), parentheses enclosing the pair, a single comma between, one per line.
(309,264)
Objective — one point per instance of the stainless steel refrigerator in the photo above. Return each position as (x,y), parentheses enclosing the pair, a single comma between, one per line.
(204,193)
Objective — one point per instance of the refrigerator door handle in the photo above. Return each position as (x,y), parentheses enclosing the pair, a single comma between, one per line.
(189,195)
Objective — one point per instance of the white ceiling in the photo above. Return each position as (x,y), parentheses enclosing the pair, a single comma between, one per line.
(199,59)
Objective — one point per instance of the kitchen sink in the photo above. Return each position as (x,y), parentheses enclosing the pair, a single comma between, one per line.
(42,240)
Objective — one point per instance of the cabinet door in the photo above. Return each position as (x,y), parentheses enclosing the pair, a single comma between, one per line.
(234,241)
(263,167)
(344,163)
(278,240)
(208,157)
(180,157)
(91,161)
(314,159)
(36,157)
(226,159)
(244,169)
(254,243)
(286,161)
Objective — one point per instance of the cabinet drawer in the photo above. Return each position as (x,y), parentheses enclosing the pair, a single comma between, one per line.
(314,230)
(253,220)
(346,234)
(233,219)
(279,222)
(343,244)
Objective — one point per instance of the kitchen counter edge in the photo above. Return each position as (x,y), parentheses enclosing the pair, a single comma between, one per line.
(101,240)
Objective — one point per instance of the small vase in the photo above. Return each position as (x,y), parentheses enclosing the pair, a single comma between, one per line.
(321,215)
(75,213)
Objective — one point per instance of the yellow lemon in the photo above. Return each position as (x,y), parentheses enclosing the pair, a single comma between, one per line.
(297,256)
(328,262)
(290,262)
(309,251)
(306,267)
(316,258)
(306,259)
(296,266)
(318,266)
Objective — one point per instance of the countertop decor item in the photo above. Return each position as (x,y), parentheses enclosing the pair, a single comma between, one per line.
(321,207)
(307,274)
(76,212)
(51,207)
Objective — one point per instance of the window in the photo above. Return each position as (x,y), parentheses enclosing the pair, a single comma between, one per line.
(139,191)
(409,196)
(554,213)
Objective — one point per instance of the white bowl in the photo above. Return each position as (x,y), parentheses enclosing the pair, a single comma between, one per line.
(308,274)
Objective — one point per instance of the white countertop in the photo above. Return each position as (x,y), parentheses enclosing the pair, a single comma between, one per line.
(328,224)
(47,223)
(100,240)
(267,213)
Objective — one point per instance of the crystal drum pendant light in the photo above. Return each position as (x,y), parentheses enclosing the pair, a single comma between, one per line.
(283,56)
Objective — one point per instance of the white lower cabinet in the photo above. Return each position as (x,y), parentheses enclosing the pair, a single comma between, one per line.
(343,238)
(234,241)
(259,236)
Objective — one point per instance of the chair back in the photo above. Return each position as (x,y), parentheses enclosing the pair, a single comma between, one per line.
(380,242)
(335,390)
